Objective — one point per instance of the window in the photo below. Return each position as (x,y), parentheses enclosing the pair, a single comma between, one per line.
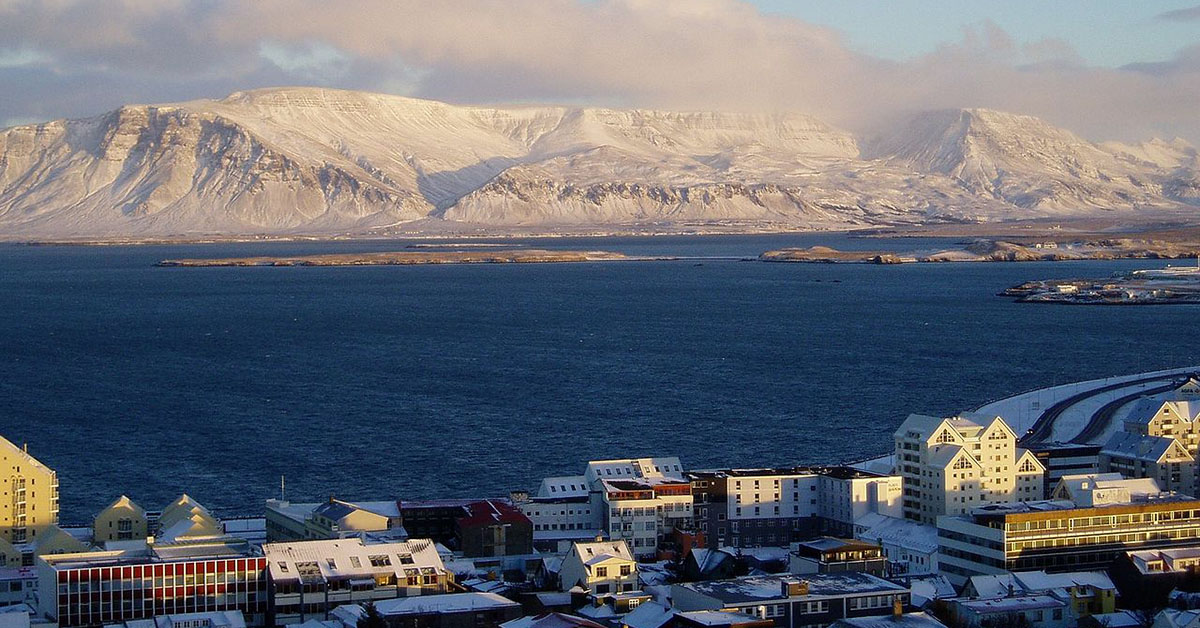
(380,560)
(626,570)
(355,562)
(601,572)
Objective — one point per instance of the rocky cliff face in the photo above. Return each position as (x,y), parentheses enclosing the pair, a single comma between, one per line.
(324,161)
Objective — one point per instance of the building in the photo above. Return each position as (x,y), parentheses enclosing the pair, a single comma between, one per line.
(599,567)
(640,500)
(911,548)
(214,619)
(452,610)
(1103,520)
(1061,459)
(287,521)
(1175,618)
(307,579)
(122,520)
(775,507)
(952,465)
(185,518)
(896,620)
(30,504)
(553,620)
(810,601)
(142,581)
(1147,577)
(708,564)
(1034,611)
(491,528)
(561,513)
(830,555)
(1084,592)
(1160,458)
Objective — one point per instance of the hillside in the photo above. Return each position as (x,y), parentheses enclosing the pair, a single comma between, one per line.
(307,160)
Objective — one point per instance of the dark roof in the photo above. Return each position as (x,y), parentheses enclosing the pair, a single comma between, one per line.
(490,511)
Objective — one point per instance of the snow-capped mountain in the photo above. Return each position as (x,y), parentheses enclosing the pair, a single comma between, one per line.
(306,160)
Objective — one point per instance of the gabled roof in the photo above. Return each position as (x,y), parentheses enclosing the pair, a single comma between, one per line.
(943,455)
(907,620)
(649,615)
(1147,448)
(600,551)
(1147,409)
(552,620)
(124,502)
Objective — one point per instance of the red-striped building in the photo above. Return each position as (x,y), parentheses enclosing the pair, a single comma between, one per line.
(99,588)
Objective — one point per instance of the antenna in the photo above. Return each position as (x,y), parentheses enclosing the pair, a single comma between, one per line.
(282,492)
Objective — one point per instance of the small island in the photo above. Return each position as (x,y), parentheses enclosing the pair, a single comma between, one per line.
(407,258)
(983,250)
(1173,284)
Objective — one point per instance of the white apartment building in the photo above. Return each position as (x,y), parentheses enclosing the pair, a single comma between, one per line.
(638,500)
(952,465)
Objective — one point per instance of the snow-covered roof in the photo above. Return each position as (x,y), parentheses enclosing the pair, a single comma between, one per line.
(993,585)
(551,620)
(1185,557)
(1177,619)
(1042,581)
(1119,619)
(563,486)
(1012,604)
(600,551)
(709,559)
(925,589)
(755,589)
(1146,448)
(943,455)
(443,603)
(1146,409)
(719,618)
(906,620)
(349,558)
(904,533)
(649,615)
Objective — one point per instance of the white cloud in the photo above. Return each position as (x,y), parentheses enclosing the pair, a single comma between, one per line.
(695,54)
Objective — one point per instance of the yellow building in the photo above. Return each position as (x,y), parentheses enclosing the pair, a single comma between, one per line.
(30,501)
(186,518)
(600,567)
(122,520)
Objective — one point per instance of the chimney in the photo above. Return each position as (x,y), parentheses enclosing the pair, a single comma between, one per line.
(897,607)
(793,588)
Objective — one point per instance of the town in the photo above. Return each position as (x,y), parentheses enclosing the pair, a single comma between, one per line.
(967,523)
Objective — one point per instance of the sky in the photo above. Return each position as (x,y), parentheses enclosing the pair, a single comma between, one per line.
(1106,70)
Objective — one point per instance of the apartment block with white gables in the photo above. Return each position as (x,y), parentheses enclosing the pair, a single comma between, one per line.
(952,465)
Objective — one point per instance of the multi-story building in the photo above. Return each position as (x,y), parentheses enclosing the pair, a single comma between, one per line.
(561,513)
(600,567)
(1063,535)
(287,521)
(1160,458)
(910,547)
(29,503)
(809,601)
(831,555)
(953,465)
(640,500)
(1060,459)
(773,507)
(453,610)
(107,587)
(477,527)
(307,579)
(122,520)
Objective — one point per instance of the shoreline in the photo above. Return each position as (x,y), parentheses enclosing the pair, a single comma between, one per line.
(410,258)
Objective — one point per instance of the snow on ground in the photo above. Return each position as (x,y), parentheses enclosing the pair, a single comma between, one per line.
(1020,411)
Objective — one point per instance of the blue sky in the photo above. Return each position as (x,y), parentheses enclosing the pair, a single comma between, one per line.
(1104,33)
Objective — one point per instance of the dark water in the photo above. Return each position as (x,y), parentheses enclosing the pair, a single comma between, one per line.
(430,381)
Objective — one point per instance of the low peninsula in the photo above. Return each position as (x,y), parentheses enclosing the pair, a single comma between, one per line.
(407,258)
(983,250)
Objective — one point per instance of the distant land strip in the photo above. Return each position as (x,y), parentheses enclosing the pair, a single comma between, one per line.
(404,258)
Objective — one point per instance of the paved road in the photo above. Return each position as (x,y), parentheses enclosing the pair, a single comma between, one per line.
(1044,425)
(1103,417)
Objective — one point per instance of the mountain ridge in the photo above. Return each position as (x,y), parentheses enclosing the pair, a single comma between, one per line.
(315,160)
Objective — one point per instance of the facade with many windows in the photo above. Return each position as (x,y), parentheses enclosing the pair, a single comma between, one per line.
(808,601)
(952,465)
(1061,535)
(113,587)
(773,507)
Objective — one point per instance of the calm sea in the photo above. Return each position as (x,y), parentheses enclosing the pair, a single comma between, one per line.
(416,382)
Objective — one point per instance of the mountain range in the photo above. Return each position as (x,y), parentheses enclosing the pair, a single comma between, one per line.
(321,161)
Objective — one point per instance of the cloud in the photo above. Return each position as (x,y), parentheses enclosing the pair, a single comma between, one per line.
(686,54)
(1189,14)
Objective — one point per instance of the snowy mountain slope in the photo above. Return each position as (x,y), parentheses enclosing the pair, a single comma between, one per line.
(307,160)
(1021,160)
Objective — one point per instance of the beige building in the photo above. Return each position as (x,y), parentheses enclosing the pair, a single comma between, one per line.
(952,465)
(1160,458)
(287,521)
(600,567)
(122,520)
(30,503)
(186,518)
